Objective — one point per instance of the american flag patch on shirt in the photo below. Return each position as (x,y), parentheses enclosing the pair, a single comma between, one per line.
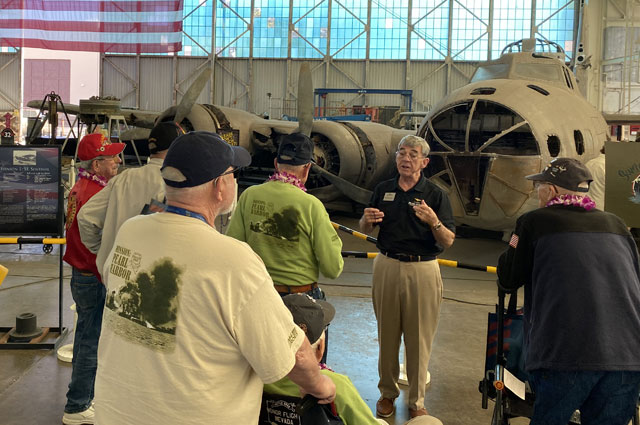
(514,241)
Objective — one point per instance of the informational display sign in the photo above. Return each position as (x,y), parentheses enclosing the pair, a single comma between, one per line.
(622,183)
(31,195)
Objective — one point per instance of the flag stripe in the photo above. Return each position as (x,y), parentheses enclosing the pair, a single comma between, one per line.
(121,26)
(94,47)
(71,17)
(31,6)
(94,37)
(147,27)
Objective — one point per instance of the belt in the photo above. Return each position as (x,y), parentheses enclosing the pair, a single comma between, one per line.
(408,258)
(84,272)
(286,289)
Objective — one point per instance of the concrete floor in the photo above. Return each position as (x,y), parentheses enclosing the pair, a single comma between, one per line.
(33,383)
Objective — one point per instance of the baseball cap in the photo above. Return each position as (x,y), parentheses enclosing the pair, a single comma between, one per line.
(313,316)
(199,157)
(162,135)
(96,144)
(565,172)
(295,149)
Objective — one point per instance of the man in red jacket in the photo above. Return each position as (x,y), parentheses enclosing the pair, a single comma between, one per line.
(99,162)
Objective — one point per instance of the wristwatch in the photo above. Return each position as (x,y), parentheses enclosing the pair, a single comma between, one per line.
(437,225)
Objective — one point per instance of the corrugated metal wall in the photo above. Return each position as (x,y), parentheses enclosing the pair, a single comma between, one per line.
(9,81)
(245,83)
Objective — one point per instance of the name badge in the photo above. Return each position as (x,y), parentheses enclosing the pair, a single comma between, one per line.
(389,196)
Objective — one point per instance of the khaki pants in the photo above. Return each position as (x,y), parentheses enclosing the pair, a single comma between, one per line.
(406,301)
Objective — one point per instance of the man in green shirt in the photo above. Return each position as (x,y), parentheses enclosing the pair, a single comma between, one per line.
(287,227)
(313,316)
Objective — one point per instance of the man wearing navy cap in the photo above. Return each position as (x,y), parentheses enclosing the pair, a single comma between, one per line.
(579,268)
(126,195)
(288,228)
(192,325)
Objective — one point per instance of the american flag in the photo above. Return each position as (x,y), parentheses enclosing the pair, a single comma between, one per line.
(122,26)
(514,241)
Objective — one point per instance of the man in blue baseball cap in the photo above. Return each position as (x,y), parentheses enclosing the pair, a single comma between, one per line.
(192,325)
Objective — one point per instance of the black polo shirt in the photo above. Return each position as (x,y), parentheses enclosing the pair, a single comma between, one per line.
(401,231)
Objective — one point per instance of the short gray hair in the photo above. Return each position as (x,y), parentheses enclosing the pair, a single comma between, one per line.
(188,194)
(414,141)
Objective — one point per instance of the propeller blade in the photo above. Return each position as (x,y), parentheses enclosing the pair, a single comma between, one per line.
(192,94)
(350,190)
(135,133)
(305,100)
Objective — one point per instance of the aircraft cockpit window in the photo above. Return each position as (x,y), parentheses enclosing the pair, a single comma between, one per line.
(450,126)
(553,143)
(567,78)
(493,129)
(540,71)
(579,140)
(490,72)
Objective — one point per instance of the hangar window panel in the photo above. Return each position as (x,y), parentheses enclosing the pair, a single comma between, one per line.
(348,19)
(469,37)
(511,22)
(197,23)
(388,25)
(554,19)
(429,38)
(310,19)
(271,20)
(230,23)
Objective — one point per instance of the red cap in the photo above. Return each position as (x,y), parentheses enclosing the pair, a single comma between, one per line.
(95,145)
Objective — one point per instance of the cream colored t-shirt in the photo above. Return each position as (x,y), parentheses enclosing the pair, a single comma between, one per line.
(192,327)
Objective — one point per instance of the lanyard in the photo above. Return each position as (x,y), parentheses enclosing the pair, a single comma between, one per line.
(187,213)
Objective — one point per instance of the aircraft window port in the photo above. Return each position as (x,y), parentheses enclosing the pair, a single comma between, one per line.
(567,78)
(437,167)
(538,89)
(490,120)
(579,140)
(553,143)
(541,71)
(483,91)
(491,72)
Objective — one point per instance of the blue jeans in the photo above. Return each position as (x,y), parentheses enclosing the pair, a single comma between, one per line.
(88,293)
(603,398)
(317,294)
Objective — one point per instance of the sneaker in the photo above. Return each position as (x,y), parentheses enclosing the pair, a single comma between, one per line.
(81,418)
(384,407)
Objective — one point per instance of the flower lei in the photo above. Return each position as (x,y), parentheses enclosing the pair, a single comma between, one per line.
(575,200)
(285,177)
(84,174)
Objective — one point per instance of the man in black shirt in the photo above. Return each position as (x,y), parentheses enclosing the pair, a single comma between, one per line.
(416,224)
(579,268)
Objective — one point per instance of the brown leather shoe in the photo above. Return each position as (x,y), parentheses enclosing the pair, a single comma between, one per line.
(384,407)
(417,412)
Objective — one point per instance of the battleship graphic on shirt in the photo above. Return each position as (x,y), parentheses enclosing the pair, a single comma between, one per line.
(143,305)
(282,225)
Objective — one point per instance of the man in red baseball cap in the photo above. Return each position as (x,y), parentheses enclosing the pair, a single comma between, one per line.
(99,162)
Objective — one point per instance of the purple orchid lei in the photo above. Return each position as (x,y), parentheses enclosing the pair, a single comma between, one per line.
(575,200)
(84,174)
(285,177)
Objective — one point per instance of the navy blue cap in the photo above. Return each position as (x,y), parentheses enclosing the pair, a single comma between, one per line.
(295,149)
(201,156)
(162,135)
(565,172)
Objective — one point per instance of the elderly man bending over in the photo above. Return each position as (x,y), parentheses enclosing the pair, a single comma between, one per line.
(193,327)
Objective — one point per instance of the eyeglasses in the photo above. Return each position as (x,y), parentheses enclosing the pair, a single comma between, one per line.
(404,154)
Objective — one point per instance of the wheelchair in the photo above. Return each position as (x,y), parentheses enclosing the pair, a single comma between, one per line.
(504,348)
(287,410)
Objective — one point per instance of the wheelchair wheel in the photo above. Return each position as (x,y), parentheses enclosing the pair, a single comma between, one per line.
(47,248)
